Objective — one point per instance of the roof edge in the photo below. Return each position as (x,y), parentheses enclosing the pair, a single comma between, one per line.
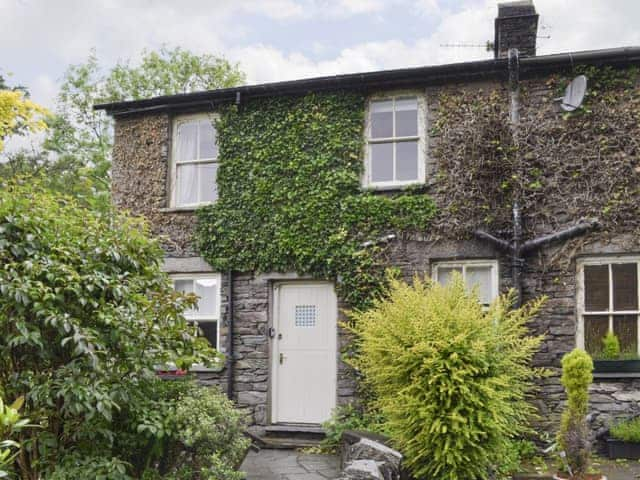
(436,74)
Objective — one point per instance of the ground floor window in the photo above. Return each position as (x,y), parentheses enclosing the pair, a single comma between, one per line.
(608,299)
(205,315)
(480,274)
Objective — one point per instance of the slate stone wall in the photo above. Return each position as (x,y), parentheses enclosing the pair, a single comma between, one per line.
(140,184)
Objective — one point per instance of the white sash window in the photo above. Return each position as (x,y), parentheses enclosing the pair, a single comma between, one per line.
(195,161)
(205,316)
(608,301)
(479,274)
(395,142)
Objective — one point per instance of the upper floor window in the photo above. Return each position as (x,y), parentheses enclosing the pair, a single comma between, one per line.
(479,274)
(205,316)
(608,301)
(395,142)
(195,161)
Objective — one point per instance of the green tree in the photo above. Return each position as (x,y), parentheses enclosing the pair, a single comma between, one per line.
(87,134)
(18,114)
(80,139)
(86,314)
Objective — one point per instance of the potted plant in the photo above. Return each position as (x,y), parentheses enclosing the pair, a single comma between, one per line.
(573,438)
(624,439)
(611,360)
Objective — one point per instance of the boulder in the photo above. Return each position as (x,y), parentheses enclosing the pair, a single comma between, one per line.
(362,470)
(389,460)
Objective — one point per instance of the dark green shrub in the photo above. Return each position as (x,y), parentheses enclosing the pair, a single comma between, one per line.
(610,347)
(145,430)
(75,466)
(573,438)
(211,431)
(626,430)
(86,313)
(178,430)
(450,379)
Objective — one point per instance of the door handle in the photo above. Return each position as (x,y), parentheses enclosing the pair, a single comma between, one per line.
(282,358)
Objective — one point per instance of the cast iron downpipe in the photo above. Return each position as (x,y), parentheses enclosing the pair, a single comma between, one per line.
(514,121)
(516,247)
(231,362)
(230,351)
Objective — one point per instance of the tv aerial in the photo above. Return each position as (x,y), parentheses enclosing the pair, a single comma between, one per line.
(574,94)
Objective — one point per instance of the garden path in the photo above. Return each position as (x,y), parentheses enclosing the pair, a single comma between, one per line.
(290,465)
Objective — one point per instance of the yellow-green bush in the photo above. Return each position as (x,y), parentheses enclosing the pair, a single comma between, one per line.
(573,438)
(450,378)
(610,347)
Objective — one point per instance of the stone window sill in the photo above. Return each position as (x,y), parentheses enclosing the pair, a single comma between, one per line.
(614,376)
(617,368)
(177,209)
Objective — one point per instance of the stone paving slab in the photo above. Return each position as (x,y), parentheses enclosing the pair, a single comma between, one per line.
(290,465)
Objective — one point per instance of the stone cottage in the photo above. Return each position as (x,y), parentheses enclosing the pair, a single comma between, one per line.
(530,193)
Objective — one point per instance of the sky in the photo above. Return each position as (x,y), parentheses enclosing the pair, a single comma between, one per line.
(286,39)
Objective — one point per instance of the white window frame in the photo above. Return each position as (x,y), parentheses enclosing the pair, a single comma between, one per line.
(493,264)
(610,312)
(420,137)
(175,161)
(200,318)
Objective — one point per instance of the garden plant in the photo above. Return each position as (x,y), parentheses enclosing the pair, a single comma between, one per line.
(610,347)
(86,317)
(573,438)
(450,378)
(626,430)
(11,423)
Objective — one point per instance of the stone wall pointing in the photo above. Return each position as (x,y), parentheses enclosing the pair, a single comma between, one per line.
(140,184)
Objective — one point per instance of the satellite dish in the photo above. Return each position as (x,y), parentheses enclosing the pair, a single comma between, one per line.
(574,94)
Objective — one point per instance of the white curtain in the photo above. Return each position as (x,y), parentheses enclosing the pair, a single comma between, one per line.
(187,174)
(187,184)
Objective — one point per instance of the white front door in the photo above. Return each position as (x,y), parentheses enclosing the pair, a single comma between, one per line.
(304,359)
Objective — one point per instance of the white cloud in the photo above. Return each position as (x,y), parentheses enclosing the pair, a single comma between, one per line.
(39,38)
(594,25)
(276,9)
(45,89)
(360,6)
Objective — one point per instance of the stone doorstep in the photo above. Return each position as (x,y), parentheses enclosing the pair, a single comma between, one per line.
(286,436)
(300,430)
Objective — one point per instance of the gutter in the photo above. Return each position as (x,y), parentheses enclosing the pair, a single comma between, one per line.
(406,77)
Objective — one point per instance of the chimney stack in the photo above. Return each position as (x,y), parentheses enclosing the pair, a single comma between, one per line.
(516,26)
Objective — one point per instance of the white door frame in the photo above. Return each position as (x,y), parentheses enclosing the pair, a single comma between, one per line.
(274,350)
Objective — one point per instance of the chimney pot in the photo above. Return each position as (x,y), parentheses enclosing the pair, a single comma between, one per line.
(516,26)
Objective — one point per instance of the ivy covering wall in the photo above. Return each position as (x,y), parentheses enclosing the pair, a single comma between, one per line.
(290,196)
(565,166)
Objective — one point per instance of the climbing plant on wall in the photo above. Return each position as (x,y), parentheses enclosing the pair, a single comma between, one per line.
(290,197)
(583,164)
